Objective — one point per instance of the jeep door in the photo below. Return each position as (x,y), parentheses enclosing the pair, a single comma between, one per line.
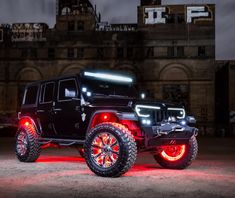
(67,112)
(44,110)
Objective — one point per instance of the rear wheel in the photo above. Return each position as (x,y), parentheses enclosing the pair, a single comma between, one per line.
(27,147)
(178,156)
(110,150)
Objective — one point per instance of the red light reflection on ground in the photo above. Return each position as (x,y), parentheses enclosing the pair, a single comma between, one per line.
(58,159)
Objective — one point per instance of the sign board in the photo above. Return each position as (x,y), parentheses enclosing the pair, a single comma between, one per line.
(160,14)
(105,26)
(28,32)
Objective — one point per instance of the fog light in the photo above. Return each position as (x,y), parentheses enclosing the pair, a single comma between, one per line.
(146,122)
(183,122)
(88,94)
(84,89)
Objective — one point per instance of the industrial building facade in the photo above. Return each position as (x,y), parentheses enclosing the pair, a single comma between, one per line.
(171,50)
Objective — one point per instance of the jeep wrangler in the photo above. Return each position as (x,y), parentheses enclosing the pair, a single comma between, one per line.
(102,115)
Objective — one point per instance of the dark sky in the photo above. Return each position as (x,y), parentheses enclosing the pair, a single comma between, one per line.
(124,11)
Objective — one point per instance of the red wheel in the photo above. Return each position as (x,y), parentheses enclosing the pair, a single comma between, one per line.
(105,150)
(178,156)
(173,153)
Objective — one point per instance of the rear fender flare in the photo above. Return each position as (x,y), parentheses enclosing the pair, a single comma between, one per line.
(26,121)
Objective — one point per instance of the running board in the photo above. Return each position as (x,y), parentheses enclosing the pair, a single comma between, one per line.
(61,142)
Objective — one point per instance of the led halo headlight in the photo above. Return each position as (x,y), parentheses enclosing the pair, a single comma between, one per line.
(182,112)
(139,107)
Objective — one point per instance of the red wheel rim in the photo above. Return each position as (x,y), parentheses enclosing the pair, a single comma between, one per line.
(105,150)
(21,143)
(174,152)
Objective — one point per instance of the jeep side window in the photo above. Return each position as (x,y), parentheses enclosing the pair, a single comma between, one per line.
(67,90)
(31,95)
(47,91)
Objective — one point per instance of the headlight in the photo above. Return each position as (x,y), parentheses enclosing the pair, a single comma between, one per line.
(183,122)
(145,111)
(176,112)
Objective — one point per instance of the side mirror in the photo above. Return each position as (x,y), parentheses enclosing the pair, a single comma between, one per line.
(191,120)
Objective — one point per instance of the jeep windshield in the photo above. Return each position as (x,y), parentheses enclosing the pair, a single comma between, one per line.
(108,87)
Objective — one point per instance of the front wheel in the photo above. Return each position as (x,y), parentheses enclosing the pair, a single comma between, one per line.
(178,156)
(110,150)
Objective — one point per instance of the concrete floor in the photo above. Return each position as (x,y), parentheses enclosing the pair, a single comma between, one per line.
(62,173)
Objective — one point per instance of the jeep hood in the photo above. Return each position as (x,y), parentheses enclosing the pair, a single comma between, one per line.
(131,102)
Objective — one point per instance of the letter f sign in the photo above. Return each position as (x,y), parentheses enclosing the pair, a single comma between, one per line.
(196,12)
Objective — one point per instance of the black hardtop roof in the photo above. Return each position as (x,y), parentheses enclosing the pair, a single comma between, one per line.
(52,79)
(78,75)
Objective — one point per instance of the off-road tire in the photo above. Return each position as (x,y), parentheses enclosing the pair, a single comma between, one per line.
(185,161)
(127,151)
(33,147)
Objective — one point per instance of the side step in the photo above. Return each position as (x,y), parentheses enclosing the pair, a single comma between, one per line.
(61,142)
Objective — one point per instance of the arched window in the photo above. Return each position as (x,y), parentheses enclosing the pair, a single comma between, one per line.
(65,11)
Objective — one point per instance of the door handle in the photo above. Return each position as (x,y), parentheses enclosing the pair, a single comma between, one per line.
(56,109)
(40,111)
(77,108)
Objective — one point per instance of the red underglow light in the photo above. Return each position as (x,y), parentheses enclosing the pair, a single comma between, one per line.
(174,152)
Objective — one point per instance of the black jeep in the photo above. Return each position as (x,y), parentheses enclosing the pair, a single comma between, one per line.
(102,115)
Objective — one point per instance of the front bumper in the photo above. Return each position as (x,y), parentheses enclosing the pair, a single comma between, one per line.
(174,136)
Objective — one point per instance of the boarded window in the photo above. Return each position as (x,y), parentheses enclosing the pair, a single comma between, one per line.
(51,53)
(71,53)
(80,53)
(100,53)
(120,52)
(201,51)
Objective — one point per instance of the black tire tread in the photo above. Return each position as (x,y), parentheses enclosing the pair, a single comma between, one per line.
(34,148)
(130,150)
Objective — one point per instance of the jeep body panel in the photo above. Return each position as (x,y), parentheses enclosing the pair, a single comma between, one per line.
(101,115)
(64,108)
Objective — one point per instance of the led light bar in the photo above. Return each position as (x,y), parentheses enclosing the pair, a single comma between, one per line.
(109,77)
(139,107)
(178,109)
